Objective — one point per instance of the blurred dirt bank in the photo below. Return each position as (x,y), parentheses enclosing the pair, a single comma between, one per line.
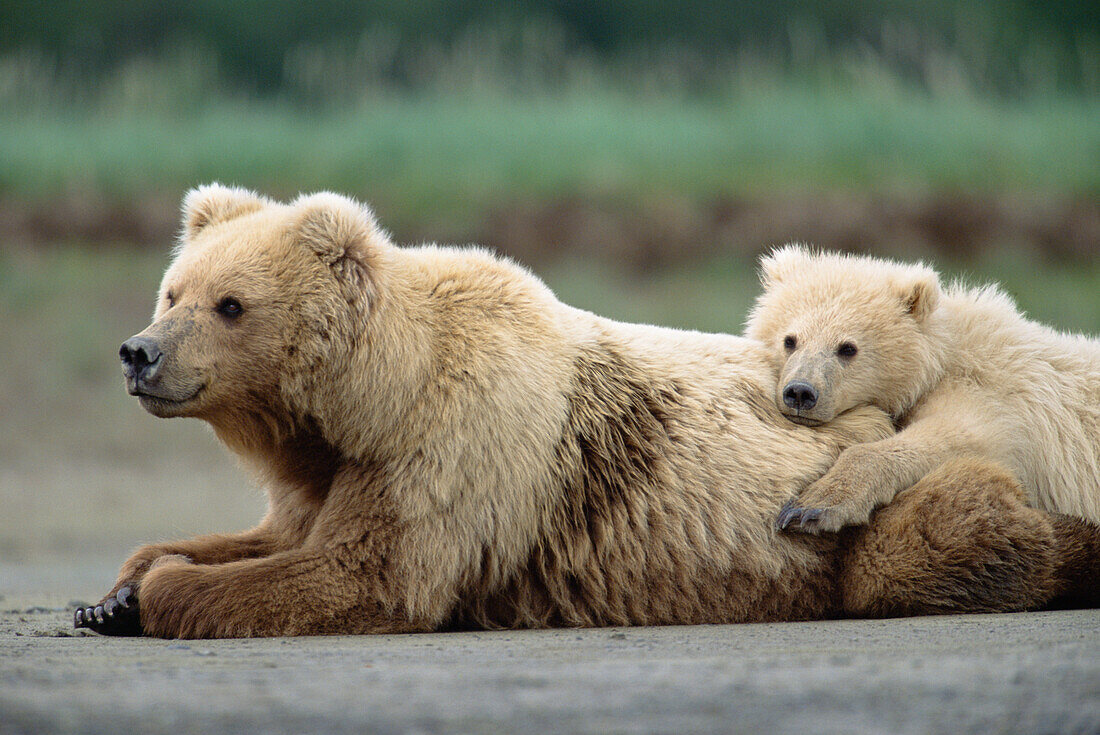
(648,235)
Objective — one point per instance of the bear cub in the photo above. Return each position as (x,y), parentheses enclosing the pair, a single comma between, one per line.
(961,371)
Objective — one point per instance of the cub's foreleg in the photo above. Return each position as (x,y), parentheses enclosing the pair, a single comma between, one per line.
(868,476)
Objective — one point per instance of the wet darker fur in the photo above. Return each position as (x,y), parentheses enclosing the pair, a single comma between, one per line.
(610,462)
(616,437)
(1078,574)
(306,462)
(613,552)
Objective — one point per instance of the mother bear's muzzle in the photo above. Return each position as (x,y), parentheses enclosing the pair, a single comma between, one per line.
(141,359)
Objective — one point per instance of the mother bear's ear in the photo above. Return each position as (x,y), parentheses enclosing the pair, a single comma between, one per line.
(335,227)
(214,203)
(342,233)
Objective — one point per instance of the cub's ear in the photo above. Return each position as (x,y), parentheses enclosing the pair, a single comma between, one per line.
(213,203)
(783,262)
(919,293)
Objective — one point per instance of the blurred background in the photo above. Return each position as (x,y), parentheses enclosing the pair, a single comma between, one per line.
(638,154)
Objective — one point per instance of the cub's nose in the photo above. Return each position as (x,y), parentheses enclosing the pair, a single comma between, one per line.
(140,357)
(799,395)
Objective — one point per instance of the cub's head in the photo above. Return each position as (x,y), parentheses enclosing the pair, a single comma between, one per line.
(845,331)
(259,294)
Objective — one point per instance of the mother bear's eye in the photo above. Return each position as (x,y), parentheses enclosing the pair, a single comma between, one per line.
(230,307)
(846,349)
(790,342)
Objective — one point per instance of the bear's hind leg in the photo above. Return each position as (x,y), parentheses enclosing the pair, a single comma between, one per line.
(963,540)
(1078,573)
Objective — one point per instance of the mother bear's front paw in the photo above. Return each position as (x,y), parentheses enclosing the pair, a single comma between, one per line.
(116,615)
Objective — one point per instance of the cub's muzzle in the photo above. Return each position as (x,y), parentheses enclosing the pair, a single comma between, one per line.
(799,395)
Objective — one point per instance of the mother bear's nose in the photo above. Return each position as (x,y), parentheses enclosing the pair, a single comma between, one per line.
(799,395)
(139,356)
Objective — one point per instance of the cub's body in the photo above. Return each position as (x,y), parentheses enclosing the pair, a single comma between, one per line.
(1022,394)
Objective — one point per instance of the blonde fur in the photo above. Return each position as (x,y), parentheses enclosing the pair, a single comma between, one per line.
(445,444)
(961,370)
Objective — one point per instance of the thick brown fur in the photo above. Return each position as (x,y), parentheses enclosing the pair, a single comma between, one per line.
(445,444)
(961,537)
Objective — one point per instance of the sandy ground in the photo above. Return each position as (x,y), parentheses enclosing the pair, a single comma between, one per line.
(1026,673)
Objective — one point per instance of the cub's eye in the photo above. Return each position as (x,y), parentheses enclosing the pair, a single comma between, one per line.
(790,342)
(230,307)
(171,297)
(846,349)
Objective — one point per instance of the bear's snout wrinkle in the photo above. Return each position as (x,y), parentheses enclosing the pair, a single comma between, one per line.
(799,395)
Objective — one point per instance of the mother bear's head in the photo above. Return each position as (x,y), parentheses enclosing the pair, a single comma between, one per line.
(261,302)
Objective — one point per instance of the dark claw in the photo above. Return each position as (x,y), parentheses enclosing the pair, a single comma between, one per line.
(113,616)
(803,518)
(786,515)
(809,515)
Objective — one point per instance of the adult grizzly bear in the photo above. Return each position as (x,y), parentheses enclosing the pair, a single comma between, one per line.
(445,444)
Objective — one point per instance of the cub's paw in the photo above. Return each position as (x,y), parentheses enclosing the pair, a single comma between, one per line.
(794,516)
(837,500)
(116,615)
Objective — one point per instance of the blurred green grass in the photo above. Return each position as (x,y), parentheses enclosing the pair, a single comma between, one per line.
(450,158)
(499,135)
